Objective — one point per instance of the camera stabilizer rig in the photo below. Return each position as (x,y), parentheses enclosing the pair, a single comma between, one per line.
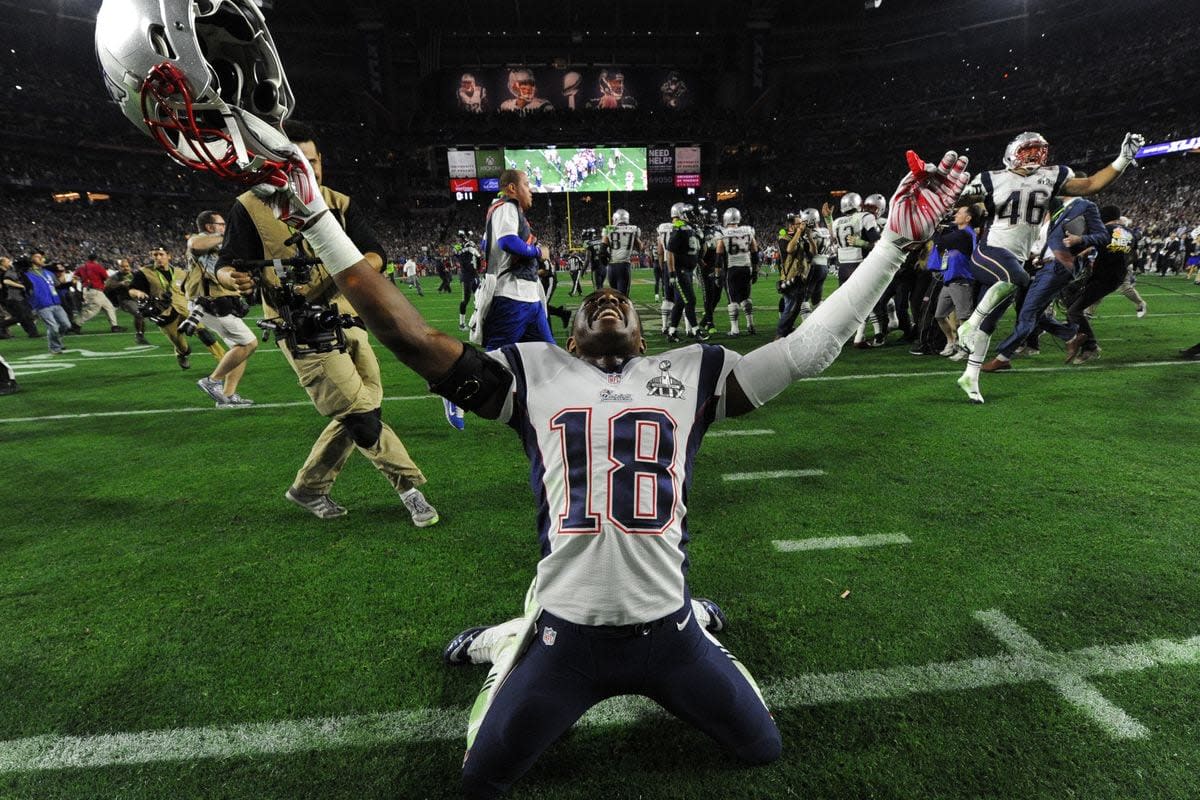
(308,328)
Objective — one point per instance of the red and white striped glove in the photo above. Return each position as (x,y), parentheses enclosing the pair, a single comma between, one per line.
(925,194)
(293,192)
(294,196)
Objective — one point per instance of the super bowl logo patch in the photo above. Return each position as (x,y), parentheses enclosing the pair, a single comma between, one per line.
(666,384)
(548,636)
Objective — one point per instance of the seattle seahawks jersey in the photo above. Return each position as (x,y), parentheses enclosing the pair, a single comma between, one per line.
(1017,205)
(621,240)
(849,228)
(738,242)
(611,459)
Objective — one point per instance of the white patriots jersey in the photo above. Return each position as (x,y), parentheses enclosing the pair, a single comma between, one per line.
(664,235)
(848,228)
(621,240)
(611,464)
(1017,205)
(823,240)
(738,240)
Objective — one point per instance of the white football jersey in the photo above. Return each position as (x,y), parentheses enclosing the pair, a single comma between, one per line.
(823,240)
(1017,205)
(739,240)
(621,240)
(611,458)
(664,235)
(848,228)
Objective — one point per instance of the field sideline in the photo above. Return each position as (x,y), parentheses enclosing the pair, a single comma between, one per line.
(938,599)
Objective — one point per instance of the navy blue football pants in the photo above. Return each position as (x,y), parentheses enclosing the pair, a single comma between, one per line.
(569,668)
(989,265)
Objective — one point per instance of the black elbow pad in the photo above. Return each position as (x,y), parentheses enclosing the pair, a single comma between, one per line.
(475,383)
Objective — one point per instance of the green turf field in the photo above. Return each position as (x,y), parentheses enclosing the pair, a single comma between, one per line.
(1025,627)
(554,176)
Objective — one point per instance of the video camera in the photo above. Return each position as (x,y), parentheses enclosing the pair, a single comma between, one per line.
(308,328)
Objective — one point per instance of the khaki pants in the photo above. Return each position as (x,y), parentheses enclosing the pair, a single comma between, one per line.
(341,384)
(178,340)
(95,301)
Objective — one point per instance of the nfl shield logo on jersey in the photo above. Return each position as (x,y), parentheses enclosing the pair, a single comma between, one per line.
(548,636)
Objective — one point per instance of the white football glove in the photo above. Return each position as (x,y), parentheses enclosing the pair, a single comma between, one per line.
(1129,148)
(923,196)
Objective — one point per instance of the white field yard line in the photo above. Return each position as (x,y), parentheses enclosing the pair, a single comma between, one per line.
(838,542)
(935,373)
(189,410)
(1028,663)
(772,474)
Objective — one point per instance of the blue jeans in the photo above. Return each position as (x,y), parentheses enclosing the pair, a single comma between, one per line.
(1045,286)
(56,322)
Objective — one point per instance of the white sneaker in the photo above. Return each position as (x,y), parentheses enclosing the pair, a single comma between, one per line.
(423,514)
(1141,309)
(949,349)
(214,389)
(959,354)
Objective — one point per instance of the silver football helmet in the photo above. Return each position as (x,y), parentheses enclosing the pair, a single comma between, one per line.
(680,210)
(811,217)
(620,217)
(876,203)
(851,201)
(1029,149)
(202,78)
(732,217)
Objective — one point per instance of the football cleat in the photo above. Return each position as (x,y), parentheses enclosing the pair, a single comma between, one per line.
(1141,309)
(454,415)
(965,332)
(971,388)
(454,654)
(716,617)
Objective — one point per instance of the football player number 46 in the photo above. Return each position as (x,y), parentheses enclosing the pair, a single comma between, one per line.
(639,494)
(1031,206)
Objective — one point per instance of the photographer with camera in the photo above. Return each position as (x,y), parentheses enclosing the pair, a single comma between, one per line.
(797,248)
(344,384)
(158,291)
(116,288)
(215,302)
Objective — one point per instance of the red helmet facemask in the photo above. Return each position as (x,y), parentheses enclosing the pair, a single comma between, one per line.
(178,124)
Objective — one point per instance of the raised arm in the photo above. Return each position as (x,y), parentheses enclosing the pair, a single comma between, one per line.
(294,196)
(1082,185)
(920,200)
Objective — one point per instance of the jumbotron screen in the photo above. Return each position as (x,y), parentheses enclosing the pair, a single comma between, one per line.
(582,169)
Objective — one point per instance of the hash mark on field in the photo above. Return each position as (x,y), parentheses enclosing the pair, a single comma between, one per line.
(834,542)
(1029,664)
(779,473)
